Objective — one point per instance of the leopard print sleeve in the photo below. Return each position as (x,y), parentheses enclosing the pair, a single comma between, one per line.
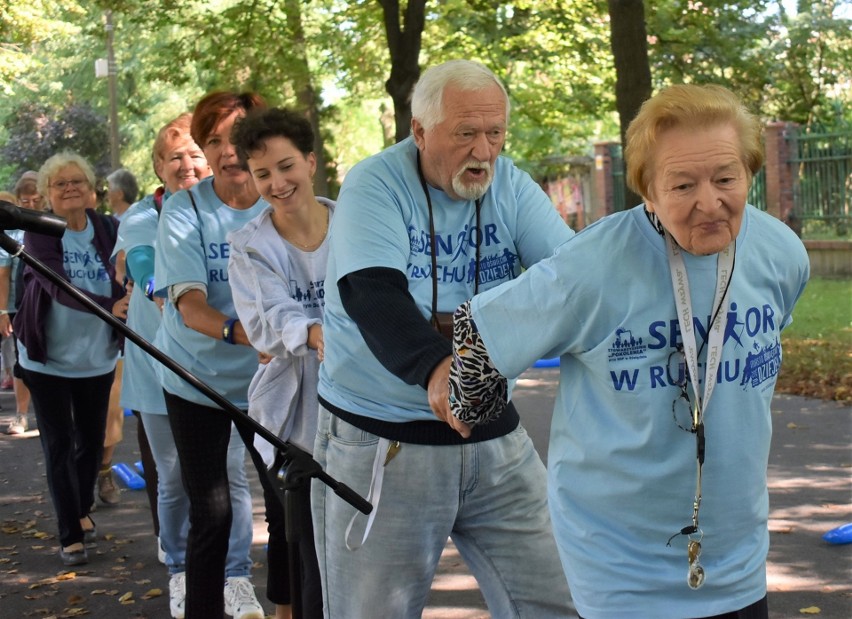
(478,392)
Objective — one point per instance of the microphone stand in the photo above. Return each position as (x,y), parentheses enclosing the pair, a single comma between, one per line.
(301,466)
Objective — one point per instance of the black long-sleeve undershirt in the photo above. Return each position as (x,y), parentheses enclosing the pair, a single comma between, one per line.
(378,301)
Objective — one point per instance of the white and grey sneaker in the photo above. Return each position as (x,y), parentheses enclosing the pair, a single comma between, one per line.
(177,595)
(240,600)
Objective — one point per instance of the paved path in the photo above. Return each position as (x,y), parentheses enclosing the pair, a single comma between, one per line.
(810,484)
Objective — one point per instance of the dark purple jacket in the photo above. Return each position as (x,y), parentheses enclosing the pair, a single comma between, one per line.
(40,292)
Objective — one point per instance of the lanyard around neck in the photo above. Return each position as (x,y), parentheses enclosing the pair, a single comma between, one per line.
(715,342)
(719,320)
(478,203)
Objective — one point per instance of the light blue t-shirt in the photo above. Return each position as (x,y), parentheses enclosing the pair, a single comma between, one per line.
(382,221)
(81,344)
(190,249)
(8,261)
(621,473)
(140,385)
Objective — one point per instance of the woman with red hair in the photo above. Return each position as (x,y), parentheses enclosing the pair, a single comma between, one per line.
(200,332)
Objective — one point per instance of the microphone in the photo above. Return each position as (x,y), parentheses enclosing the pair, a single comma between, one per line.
(16,218)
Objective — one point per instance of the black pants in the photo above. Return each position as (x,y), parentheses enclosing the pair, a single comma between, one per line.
(202,434)
(758,610)
(71,415)
(278,587)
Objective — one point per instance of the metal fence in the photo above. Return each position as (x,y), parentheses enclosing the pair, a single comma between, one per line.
(815,175)
(757,191)
(822,172)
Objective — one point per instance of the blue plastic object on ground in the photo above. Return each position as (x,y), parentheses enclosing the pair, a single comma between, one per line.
(130,477)
(128,412)
(547,363)
(839,535)
(140,468)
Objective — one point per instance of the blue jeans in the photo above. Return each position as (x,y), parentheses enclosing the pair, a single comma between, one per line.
(489,497)
(173,503)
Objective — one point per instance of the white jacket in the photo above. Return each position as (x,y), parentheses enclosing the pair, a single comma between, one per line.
(276,307)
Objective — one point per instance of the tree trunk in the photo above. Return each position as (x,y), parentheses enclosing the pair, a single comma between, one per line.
(306,95)
(404,47)
(629,43)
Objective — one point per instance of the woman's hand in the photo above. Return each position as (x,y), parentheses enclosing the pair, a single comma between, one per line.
(5,325)
(439,397)
(119,310)
(315,340)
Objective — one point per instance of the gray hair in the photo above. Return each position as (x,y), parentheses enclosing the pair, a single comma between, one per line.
(124,181)
(28,183)
(427,98)
(54,164)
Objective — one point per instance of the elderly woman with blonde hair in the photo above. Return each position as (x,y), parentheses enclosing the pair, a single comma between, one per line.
(67,353)
(658,494)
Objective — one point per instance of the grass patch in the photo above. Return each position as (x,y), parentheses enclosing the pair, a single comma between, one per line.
(817,346)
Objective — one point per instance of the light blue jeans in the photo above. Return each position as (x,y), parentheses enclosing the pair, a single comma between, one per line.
(173,504)
(489,497)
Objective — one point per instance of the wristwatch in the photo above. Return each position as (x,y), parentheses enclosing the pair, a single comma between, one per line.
(149,289)
(228,330)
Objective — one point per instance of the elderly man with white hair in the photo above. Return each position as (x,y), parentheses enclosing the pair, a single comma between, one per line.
(421,227)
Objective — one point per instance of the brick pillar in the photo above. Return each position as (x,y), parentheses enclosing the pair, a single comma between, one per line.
(781,176)
(603,181)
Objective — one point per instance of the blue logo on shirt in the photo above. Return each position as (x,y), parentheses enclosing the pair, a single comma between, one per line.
(761,362)
(82,266)
(461,247)
(314,296)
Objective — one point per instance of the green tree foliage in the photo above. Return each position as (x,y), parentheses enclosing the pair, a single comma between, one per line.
(331,59)
(554,58)
(35,132)
(257,45)
(786,67)
(811,81)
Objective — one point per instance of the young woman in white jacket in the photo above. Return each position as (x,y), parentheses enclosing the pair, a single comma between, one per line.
(277,272)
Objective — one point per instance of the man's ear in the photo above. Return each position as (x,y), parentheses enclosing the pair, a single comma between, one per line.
(418,131)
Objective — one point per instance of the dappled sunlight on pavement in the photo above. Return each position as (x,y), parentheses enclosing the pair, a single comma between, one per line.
(810,480)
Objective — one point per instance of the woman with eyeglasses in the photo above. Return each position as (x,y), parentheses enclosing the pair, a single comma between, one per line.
(68,354)
(670,346)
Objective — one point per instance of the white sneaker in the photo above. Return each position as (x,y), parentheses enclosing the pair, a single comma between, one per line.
(177,594)
(240,600)
(161,552)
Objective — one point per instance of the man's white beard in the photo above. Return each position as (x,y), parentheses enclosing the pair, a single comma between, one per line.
(473,191)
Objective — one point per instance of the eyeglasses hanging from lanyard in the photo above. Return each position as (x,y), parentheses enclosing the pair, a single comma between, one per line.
(698,405)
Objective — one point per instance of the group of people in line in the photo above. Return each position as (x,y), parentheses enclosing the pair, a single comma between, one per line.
(382,334)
